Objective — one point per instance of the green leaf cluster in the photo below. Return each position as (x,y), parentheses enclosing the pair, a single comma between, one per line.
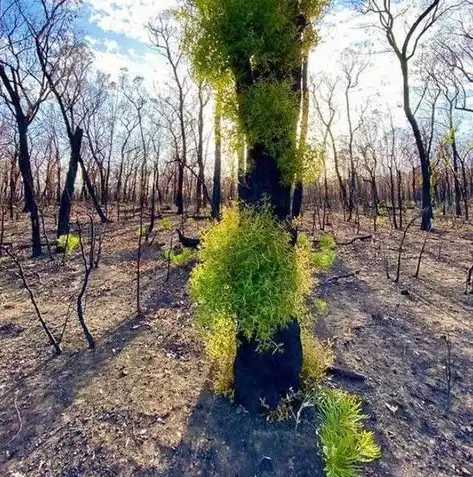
(250,275)
(68,242)
(345,442)
(250,53)
(318,356)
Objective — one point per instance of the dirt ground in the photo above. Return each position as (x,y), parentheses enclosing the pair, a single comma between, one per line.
(140,404)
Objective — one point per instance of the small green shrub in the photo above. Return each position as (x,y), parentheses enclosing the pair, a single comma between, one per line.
(166,224)
(345,443)
(182,258)
(327,241)
(317,357)
(324,258)
(320,305)
(220,344)
(250,275)
(68,242)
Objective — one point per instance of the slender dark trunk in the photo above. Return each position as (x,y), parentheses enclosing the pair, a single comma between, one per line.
(465,191)
(393,198)
(297,199)
(90,188)
(12,184)
(200,155)
(30,197)
(299,188)
(180,188)
(216,192)
(427,213)
(68,192)
(399,197)
(455,158)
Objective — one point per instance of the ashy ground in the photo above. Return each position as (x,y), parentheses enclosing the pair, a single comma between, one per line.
(141,403)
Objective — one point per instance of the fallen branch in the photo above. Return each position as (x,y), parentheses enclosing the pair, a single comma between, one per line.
(361,238)
(341,277)
(345,373)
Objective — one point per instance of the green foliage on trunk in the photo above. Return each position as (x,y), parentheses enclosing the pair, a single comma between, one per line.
(252,53)
(251,276)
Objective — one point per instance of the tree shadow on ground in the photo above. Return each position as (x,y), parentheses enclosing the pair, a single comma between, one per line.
(222,440)
(40,397)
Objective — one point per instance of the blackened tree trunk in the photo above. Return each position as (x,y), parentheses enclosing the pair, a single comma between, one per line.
(456,179)
(180,188)
(13,86)
(393,198)
(266,377)
(31,205)
(68,191)
(399,197)
(427,213)
(297,199)
(90,189)
(299,189)
(217,186)
(200,196)
(465,190)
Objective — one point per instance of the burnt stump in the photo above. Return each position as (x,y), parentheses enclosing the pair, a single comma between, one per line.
(263,378)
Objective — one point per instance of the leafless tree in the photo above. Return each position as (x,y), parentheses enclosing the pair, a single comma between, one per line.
(389,15)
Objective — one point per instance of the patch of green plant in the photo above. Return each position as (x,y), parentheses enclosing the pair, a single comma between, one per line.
(183,257)
(320,305)
(317,357)
(327,241)
(324,258)
(250,275)
(221,346)
(166,224)
(68,242)
(345,442)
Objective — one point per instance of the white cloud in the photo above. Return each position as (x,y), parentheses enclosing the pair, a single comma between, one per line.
(127,17)
(110,45)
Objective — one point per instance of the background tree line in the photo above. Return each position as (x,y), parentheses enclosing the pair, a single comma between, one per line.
(70,132)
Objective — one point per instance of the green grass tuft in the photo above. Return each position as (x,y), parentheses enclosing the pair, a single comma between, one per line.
(345,442)
(324,258)
(166,224)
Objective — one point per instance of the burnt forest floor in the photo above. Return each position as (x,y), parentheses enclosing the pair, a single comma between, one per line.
(141,405)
